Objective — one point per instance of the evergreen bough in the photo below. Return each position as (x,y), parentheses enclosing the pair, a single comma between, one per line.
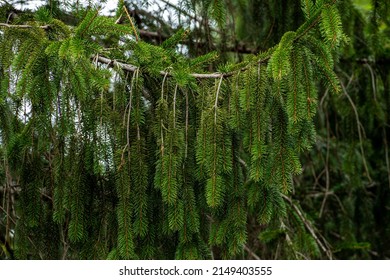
(134,151)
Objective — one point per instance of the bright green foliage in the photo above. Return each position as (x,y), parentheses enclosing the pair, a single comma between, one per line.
(159,162)
(308,8)
(331,26)
(279,64)
(218,11)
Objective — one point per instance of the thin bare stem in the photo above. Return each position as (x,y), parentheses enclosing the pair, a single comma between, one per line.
(309,227)
(216,101)
(23,26)
(386,154)
(256,257)
(129,114)
(359,130)
(174,106)
(187,113)
(131,23)
(327,178)
(161,120)
(373,80)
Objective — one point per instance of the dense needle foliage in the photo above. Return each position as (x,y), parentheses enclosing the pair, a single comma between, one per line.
(222,134)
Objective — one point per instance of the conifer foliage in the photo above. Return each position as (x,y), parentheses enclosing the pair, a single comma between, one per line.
(119,148)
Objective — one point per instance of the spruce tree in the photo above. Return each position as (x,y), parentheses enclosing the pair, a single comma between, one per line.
(117,144)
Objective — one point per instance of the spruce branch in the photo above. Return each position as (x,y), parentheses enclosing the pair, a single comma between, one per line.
(132,68)
(219,151)
(89,22)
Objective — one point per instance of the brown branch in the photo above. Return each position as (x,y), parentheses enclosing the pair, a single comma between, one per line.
(180,10)
(151,34)
(133,68)
(111,62)
(158,36)
(24,26)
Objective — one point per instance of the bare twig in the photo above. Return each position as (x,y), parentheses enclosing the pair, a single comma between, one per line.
(64,241)
(327,177)
(373,80)
(119,19)
(324,97)
(131,23)
(216,101)
(161,120)
(288,238)
(309,227)
(186,130)
(23,26)
(359,131)
(246,248)
(113,62)
(386,154)
(174,106)
(317,178)
(129,114)
(8,216)
(36,248)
